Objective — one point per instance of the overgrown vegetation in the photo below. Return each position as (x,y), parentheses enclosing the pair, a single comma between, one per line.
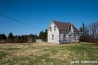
(48,54)
(89,33)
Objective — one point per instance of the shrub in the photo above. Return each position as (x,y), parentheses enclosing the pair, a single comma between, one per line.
(96,41)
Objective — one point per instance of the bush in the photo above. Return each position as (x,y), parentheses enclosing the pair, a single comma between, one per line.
(96,41)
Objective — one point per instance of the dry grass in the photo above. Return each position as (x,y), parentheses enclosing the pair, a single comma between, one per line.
(46,53)
(61,55)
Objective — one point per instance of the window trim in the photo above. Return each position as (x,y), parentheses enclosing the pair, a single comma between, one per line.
(64,36)
(54,28)
(50,28)
(52,37)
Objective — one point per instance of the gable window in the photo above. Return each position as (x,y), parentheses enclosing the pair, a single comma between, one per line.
(52,37)
(54,28)
(69,27)
(50,28)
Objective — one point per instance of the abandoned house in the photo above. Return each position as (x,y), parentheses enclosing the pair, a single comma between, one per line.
(61,32)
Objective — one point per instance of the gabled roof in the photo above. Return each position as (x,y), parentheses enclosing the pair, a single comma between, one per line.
(65,26)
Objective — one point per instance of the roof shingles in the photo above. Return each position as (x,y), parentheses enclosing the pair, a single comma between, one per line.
(65,26)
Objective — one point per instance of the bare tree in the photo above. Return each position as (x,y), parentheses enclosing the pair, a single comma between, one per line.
(93,28)
(93,31)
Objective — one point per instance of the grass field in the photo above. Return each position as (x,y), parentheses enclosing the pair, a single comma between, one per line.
(48,54)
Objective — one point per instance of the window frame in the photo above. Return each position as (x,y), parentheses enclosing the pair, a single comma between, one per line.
(52,37)
(64,37)
(50,29)
(54,28)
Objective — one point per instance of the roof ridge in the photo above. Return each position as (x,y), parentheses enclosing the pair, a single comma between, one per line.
(60,21)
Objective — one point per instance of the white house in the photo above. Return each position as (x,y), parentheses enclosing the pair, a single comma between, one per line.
(61,32)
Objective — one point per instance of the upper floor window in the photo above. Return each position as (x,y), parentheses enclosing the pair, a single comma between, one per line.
(70,28)
(54,28)
(50,28)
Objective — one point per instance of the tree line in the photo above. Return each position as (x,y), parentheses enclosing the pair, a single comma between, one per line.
(23,38)
(89,33)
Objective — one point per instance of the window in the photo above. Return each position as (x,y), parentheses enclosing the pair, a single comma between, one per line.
(52,37)
(54,28)
(64,37)
(61,36)
(75,37)
(50,28)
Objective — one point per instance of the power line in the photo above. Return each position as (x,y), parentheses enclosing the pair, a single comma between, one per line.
(19,21)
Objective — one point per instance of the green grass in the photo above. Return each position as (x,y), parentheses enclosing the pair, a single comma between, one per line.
(48,54)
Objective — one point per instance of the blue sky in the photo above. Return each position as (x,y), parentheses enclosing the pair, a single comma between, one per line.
(39,13)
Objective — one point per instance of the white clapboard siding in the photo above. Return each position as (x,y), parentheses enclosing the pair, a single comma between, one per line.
(53,32)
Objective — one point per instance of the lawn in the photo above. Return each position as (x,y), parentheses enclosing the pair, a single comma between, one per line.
(48,54)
